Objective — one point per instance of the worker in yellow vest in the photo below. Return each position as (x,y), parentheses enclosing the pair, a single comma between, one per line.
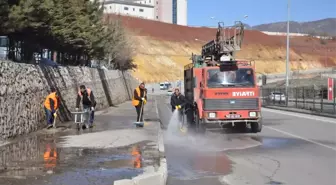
(51,105)
(88,101)
(139,100)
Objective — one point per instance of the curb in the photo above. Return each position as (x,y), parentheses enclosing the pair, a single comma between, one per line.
(302,112)
(156,178)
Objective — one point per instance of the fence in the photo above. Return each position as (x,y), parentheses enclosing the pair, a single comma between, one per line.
(307,98)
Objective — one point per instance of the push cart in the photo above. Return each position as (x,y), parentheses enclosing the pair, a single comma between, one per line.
(82,118)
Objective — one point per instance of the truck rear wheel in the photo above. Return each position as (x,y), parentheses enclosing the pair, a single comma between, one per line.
(256,127)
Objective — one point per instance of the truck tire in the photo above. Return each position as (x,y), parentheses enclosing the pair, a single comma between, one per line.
(199,126)
(256,127)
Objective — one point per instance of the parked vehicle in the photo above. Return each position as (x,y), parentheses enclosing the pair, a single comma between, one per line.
(170,92)
(162,86)
(277,97)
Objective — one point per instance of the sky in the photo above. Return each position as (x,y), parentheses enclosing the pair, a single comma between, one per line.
(258,11)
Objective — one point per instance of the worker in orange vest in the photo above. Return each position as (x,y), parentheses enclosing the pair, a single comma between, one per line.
(139,100)
(51,105)
(88,101)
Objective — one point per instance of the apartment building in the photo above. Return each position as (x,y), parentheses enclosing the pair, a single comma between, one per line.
(137,8)
(169,11)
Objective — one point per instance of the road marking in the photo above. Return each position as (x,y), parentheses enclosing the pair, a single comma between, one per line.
(299,137)
(299,115)
(156,107)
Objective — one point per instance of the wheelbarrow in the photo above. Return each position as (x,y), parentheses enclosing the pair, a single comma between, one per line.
(82,118)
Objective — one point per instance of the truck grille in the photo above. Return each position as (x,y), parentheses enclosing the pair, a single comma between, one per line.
(231,104)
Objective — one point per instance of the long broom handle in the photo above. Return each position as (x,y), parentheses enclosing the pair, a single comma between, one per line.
(142,103)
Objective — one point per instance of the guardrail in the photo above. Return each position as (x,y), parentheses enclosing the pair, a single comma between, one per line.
(300,98)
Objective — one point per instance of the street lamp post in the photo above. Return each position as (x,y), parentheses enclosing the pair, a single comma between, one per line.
(287,54)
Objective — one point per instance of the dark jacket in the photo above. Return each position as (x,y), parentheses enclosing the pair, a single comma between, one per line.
(177,100)
(86,100)
(142,91)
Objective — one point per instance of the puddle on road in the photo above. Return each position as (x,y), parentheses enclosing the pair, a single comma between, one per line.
(36,160)
(278,142)
(192,157)
(190,164)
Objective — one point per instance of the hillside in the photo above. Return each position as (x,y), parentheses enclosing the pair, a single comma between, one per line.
(163,49)
(319,27)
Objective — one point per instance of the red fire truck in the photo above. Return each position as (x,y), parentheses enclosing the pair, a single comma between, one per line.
(221,90)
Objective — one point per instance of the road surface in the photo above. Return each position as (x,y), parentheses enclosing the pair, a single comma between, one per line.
(292,149)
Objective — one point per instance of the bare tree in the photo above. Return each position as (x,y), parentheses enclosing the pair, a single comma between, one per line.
(121,47)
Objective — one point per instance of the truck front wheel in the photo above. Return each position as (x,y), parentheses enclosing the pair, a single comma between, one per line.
(256,127)
(199,126)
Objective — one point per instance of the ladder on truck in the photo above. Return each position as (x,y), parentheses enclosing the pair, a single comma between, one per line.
(228,40)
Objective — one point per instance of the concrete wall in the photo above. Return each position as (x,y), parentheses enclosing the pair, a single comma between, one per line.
(23,88)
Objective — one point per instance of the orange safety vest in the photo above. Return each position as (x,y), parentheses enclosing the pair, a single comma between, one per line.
(134,101)
(47,102)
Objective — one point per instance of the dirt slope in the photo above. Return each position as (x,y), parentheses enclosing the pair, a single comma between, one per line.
(163,49)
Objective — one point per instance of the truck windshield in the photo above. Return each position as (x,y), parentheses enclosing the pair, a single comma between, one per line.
(241,78)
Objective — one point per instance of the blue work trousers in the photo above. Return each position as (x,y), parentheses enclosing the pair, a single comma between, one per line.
(49,116)
(91,115)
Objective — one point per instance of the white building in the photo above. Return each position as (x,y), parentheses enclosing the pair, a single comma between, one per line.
(182,12)
(169,11)
(137,8)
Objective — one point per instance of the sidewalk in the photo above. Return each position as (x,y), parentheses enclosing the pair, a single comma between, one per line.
(114,127)
(303,111)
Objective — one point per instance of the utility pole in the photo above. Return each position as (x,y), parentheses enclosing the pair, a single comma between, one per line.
(287,54)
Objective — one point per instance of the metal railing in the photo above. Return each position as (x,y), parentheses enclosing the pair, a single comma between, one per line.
(306,98)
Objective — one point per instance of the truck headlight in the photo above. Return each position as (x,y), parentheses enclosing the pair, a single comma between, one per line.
(253,114)
(212,115)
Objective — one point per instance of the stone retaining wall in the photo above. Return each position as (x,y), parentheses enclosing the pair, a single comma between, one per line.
(24,87)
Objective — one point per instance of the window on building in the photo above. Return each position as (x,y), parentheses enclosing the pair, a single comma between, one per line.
(149,1)
(141,10)
(157,17)
(157,2)
(174,11)
(133,9)
(125,8)
(110,7)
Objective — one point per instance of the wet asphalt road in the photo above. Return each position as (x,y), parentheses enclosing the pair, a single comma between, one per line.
(292,149)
